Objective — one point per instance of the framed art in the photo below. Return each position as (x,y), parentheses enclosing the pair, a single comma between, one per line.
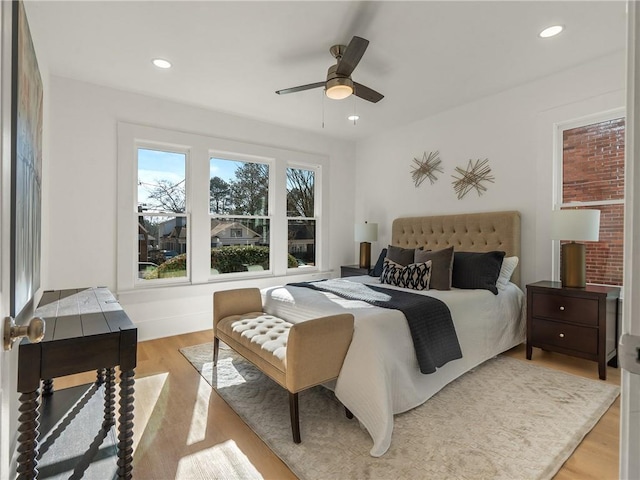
(26,163)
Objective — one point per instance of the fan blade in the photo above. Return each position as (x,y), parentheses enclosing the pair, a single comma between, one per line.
(366,93)
(352,55)
(300,88)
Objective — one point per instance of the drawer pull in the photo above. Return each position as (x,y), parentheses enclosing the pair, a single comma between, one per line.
(561,335)
(562,308)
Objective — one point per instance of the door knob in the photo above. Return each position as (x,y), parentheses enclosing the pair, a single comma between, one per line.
(34,331)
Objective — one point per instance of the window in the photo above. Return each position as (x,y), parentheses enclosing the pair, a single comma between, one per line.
(239,209)
(301,215)
(194,209)
(593,177)
(162,221)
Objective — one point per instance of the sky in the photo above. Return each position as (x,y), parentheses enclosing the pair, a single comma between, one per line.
(154,165)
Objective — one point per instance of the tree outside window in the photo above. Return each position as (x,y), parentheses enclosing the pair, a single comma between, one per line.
(162,220)
(301,219)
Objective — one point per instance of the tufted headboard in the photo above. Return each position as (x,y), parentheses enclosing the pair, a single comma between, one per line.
(468,232)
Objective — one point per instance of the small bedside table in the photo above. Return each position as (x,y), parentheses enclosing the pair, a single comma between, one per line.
(352,271)
(581,322)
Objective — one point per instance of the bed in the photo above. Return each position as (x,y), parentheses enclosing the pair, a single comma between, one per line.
(380,375)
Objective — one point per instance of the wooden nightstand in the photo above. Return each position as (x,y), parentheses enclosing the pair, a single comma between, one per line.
(582,322)
(352,271)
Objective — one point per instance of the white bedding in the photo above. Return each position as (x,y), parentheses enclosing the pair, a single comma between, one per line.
(380,375)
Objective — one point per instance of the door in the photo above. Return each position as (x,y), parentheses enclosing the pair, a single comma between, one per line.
(5,162)
(630,395)
(7,374)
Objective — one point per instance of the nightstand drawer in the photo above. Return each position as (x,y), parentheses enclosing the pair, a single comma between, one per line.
(573,309)
(572,337)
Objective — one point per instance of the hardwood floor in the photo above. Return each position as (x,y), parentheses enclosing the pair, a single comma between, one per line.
(182,427)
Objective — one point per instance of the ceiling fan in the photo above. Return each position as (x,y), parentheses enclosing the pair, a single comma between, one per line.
(339,84)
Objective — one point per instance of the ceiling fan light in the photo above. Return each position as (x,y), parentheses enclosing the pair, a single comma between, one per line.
(339,88)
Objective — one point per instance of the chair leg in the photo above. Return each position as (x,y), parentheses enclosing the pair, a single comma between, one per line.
(295,419)
(348,413)
(216,347)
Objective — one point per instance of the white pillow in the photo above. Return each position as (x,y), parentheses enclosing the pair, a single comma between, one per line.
(509,264)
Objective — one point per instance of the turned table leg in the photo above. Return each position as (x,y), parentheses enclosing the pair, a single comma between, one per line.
(125,427)
(28,436)
(47,387)
(109,376)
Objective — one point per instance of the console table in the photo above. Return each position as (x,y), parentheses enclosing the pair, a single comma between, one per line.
(86,329)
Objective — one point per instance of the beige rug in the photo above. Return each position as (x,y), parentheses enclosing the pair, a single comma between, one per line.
(506,419)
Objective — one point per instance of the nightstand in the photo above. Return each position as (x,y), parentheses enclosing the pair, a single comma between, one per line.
(582,322)
(352,271)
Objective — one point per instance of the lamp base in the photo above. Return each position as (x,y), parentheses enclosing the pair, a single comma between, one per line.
(365,255)
(573,270)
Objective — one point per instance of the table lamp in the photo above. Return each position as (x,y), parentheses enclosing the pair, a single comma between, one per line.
(365,234)
(574,225)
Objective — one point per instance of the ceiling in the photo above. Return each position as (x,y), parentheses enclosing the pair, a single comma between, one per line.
(424,56)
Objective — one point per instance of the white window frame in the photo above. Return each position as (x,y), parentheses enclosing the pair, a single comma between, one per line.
(237,157)
(558,156)
(200,149)
(170,149)
(317,208)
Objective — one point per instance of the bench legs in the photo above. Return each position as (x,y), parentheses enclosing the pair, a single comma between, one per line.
(293,400)
(295,418)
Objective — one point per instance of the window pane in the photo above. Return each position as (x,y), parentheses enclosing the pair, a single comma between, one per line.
(161,181)
(300,193)
(302,243)
(593,171)
(238,188)
(239,245)
(162,247)
(605,257)
(593,162)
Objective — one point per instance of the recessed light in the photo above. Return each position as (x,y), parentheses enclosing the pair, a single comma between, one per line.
(551,31)
(353,118)
(161,63)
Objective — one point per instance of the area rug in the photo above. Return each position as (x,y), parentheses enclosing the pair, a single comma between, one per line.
(506,419)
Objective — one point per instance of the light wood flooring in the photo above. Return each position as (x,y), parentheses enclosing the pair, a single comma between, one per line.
(181,424)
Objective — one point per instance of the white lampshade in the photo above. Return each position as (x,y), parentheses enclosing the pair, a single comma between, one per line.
(581,225)
(366,232)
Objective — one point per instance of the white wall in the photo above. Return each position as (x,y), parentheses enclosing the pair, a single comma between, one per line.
(80,187)
(513,129)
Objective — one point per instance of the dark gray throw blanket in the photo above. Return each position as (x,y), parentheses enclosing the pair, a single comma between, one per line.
(434,336)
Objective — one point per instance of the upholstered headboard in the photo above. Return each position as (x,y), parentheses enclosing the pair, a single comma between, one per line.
(469,232)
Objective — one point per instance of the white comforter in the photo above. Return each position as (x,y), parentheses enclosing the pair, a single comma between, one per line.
(380,375)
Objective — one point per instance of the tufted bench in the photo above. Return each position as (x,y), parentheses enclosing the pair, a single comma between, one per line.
(297,356)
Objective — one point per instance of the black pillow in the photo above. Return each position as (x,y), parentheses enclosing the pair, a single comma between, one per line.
(403,256)
(441,266)
(377,269)
(477,270)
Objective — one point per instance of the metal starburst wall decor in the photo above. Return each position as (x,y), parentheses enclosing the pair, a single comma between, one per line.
(426,168)
(472,177)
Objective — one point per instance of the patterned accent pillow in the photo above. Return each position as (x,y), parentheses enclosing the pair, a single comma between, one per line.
(415,276)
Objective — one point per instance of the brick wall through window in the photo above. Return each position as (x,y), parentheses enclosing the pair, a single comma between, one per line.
(593,171)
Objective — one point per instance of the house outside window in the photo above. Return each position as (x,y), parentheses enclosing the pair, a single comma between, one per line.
(240,220)
(162,216)
(194,209)
(592,176)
